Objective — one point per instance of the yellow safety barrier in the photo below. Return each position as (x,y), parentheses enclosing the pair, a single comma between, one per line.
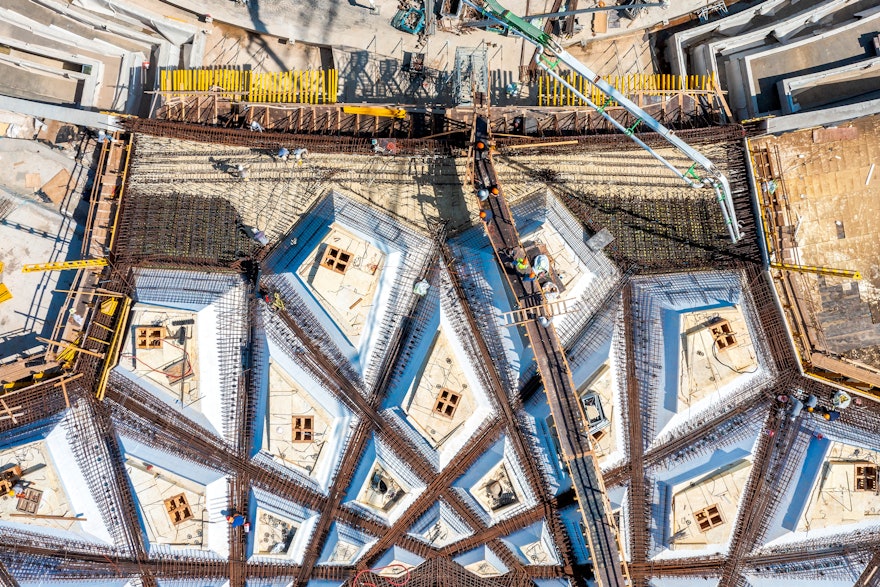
(84,264)
(553,93)
(305,87)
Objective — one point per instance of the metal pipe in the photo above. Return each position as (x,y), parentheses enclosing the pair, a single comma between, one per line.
(546,44)
(614,122)
(549,15)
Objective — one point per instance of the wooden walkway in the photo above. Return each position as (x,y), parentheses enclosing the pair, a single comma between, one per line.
(574,440)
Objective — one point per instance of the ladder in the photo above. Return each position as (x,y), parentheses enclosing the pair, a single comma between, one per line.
(63,265)
(546,310)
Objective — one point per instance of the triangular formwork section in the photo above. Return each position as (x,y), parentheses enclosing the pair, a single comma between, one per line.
(397,562)
(301,426)
(345,545)
(347,271)
(183,343)
(440,526)
(533,545)
(482,562)
(181,504)
(831,492)
(282,529)
(438,393)
(55,473)
(383,486)
(495,486)
(667,313)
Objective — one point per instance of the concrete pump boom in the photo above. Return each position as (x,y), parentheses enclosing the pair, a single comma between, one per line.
(550,54)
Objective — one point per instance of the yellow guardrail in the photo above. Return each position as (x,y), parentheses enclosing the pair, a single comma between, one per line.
(552,93)
(311,86)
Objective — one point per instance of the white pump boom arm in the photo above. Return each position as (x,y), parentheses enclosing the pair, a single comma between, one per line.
(550,54)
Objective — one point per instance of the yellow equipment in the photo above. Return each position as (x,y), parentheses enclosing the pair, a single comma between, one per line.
(375,111)
(61,266)
(846,273)
(5,294)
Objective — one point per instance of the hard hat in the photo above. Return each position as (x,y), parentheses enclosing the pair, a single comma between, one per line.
(481,145)
(482,213)
(826,415)
(495,191)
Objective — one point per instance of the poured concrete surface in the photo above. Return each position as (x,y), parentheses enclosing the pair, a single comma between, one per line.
(705,366)
(836,498)
(348,296)
(153,485)
(836,209)
(441,372)
(721,489)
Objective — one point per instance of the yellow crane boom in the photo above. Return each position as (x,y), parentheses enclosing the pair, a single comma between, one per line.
(818,270)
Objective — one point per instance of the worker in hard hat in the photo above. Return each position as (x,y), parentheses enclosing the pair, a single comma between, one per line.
(283,154)
(830,415)
(522,266)
(300,155)
(486,215)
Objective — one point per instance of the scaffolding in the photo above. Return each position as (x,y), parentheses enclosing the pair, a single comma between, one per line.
(471,74)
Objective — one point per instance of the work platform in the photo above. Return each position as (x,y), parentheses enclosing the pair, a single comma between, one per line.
(576,446)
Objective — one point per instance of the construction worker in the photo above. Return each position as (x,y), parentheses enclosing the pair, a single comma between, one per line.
(522,266)
(283,154)
(530,277)
(483,194)
(256,126)
(242,172)
(486,215)
(300,155)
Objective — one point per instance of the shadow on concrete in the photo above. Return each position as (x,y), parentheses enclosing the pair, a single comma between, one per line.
(253,7)
(366,77)
(69,237)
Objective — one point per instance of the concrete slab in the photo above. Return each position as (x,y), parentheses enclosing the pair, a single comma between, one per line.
(845,491)
(716,350)
(704,511)
(344,273)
